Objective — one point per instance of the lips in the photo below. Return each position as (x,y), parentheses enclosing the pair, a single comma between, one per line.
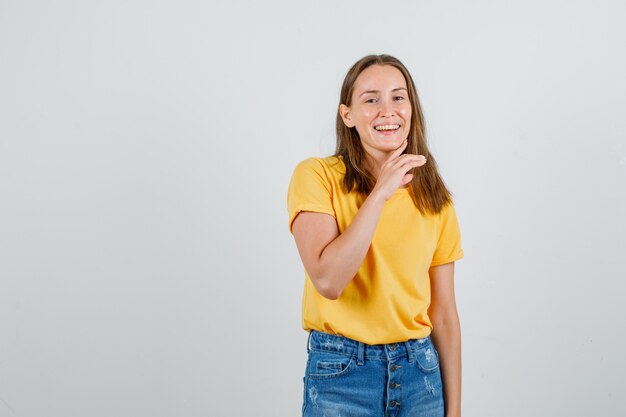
(388,127)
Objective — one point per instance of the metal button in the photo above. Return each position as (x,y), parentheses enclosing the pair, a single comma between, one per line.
(393,347)
(394,384)
(395,367)
(394,404)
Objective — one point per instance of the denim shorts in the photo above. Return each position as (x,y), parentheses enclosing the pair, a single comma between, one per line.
(344,377)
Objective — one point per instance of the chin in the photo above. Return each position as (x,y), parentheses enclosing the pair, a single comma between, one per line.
(391,142)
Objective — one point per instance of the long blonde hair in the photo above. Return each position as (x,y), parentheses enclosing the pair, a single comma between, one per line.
(428,189)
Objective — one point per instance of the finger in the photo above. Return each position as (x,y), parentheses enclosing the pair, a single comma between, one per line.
(406,158)
(410,156)
(406,167)
(398,151)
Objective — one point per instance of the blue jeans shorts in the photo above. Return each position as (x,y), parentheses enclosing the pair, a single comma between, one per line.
(344,377)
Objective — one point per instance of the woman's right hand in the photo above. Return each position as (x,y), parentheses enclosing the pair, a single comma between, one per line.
(332,259)
(394,172)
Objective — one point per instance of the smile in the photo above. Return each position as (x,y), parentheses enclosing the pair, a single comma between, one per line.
(387,127)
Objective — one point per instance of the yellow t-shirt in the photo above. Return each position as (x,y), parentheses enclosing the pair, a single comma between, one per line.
(388,299)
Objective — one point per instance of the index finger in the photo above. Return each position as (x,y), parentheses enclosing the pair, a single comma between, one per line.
(398,151)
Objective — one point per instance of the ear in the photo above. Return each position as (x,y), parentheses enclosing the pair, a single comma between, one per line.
(344,112)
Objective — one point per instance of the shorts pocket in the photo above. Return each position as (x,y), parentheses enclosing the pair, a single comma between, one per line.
(427,358)
(323,365)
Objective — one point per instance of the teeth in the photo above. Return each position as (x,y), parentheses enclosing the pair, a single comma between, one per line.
(387,127)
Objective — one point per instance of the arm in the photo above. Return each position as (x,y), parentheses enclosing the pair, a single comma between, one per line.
(332,259)
(446,334)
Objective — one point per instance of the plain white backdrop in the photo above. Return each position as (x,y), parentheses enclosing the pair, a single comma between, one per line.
(146,267)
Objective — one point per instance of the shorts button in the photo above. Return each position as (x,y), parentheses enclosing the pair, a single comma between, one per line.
(395,367)
(394,384)
(393,347)
(394,404)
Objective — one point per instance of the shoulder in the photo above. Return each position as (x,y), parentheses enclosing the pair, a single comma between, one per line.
(329,166)
(448,217)
(447,208)
(447,211)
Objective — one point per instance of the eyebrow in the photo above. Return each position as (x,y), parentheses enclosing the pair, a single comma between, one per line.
(376,91)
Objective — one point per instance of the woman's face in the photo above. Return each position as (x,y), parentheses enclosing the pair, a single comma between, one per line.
(380,109)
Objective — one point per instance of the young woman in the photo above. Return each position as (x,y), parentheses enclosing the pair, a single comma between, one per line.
(377,232)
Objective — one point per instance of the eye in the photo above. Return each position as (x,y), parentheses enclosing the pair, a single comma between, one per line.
(370,100)
(398,98)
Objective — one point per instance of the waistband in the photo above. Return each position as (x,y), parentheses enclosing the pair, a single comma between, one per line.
(326,342)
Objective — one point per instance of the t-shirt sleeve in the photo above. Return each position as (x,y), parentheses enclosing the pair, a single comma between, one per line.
(309,190)
(449,243)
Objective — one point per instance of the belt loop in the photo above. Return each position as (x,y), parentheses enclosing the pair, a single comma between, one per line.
(409,350)
(308,342)
(360,353)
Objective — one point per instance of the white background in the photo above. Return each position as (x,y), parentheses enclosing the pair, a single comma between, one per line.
(146,267)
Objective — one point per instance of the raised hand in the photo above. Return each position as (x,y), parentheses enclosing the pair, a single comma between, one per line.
(394,172)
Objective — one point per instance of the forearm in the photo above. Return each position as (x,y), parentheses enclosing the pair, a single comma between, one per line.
(446,336)
(342,258)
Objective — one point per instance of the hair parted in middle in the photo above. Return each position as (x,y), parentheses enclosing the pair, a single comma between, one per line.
(428,190)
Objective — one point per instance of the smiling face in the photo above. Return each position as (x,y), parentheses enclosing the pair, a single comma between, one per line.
(380,110)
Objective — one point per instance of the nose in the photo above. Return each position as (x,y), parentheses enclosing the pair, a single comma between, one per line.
(386,108)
